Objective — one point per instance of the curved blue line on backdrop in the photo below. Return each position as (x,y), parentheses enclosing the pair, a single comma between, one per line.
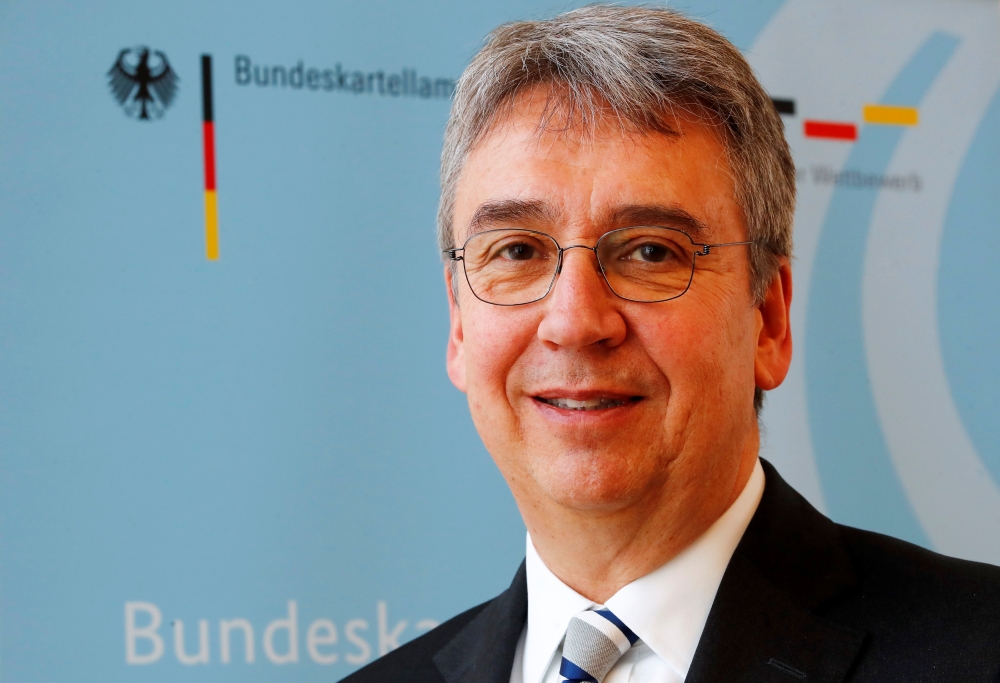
(968,287)
(740,22)
(859,482)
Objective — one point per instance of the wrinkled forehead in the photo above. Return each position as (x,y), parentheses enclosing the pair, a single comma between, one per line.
(543,121)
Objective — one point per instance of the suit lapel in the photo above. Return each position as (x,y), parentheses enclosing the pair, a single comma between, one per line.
(756,633)
(764,624)
(483,651)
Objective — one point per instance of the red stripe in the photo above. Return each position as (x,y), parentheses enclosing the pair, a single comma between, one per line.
(208,133)
(831,130)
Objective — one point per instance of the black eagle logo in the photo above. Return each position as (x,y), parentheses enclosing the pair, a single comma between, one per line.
(142,82)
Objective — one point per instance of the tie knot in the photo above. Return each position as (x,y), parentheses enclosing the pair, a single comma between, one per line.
(595,640)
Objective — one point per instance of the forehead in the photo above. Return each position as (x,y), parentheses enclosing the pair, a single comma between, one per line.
(535,166)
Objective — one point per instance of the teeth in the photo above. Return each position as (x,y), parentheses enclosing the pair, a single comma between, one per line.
(588,404)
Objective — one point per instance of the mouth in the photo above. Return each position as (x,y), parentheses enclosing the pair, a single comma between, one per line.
(596,403)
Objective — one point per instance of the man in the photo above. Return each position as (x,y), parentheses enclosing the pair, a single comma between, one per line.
(616,209)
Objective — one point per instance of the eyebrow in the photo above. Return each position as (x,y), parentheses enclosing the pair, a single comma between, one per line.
(656,214)
(507,211)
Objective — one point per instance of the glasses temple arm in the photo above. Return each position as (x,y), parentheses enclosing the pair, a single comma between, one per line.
(706,249)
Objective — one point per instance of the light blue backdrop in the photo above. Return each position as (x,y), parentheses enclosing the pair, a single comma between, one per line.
(217,439)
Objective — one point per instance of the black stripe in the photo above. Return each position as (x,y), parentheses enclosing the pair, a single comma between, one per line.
(784,106)
(206,88)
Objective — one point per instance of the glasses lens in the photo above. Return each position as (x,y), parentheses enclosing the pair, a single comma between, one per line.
(509,267)
(647,263)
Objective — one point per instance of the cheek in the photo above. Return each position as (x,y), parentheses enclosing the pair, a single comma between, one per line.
(494,341)
(705,352)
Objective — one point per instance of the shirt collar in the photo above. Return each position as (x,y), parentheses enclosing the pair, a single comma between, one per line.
(666,608)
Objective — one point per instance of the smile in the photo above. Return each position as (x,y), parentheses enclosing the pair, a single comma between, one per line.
(600,403)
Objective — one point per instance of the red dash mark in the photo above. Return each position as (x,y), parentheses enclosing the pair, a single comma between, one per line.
(208,132)
(831,130)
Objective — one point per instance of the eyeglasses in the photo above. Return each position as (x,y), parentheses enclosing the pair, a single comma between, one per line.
(646,264)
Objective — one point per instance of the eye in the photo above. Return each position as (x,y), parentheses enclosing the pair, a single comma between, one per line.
(518,252)
(651,253)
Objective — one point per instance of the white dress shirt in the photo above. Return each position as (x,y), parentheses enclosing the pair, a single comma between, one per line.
(667,608)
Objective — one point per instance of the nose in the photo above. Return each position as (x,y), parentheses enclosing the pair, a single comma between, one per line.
(581,310)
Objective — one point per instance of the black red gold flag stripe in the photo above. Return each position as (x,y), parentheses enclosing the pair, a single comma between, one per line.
(831,130)
(784,105)
(208,140)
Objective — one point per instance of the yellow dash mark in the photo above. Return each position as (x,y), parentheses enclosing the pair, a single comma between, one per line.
(889,115)
(211,226)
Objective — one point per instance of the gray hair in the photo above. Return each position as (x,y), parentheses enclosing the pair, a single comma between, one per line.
(639,66)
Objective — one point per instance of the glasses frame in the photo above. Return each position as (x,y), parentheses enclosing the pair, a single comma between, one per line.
(703,249)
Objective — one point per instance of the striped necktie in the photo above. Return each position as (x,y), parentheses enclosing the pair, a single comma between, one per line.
(595,640)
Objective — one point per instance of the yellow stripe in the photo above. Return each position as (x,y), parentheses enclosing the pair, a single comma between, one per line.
(888,115)
(211,226)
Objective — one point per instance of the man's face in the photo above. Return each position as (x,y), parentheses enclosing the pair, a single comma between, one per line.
(677,377)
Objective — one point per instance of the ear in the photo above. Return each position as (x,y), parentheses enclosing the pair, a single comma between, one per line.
(456,348)
(774,334)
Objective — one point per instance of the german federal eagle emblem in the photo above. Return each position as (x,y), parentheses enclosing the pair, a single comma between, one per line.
(142,82)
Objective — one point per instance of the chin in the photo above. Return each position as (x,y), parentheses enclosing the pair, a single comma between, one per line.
(595,482)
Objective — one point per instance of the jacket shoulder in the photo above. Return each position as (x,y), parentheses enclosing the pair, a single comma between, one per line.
(919,580)
(923,612)
(924,616)
(482,639)
(414,660)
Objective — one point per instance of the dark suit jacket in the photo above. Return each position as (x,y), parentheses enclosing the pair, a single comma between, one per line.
(803,599)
